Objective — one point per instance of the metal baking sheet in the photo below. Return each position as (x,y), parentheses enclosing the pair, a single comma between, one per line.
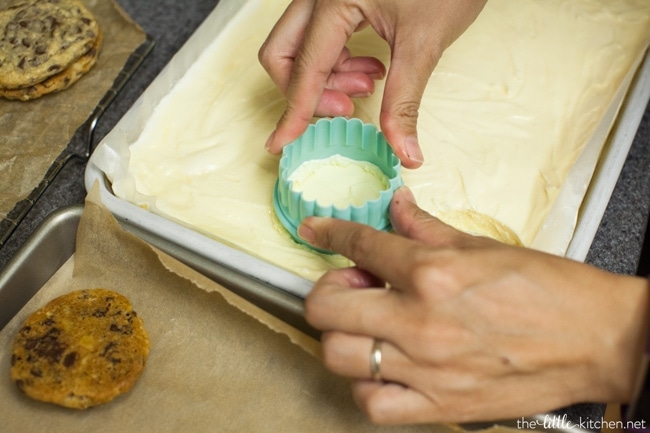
(214,253)
(53,243)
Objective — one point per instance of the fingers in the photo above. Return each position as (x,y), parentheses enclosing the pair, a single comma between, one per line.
(386,401)
(399,111)
(370,66)
(360,243)
(413,58)
(279,49)
(324,38)
(392,403)
(349,355)
(410,221)
(415,51)
(362,312)
(358,278)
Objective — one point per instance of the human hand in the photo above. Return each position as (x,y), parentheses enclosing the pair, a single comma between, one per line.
(472,329)
(305,55)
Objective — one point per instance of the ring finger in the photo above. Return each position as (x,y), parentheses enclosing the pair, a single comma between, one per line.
(352,356)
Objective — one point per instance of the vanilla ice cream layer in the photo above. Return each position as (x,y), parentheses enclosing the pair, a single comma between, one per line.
(338,181)
(506,113)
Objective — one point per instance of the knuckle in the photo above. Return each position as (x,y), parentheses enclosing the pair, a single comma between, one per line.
(359,245)
(313,306)
(359,241)
(406,111)
(374,408)
(436,271)
(376,416)
(425,269)
(310,308)
(269,55)
(353,243)
(333,351)
(263,55)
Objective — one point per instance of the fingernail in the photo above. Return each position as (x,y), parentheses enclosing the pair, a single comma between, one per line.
(413,150)
(406,193)
(269,141)
(306,233)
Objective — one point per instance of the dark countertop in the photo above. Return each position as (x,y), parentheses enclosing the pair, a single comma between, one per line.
(617,245)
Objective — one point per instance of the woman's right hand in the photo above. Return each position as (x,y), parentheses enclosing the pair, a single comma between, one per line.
(306,57)
(471,328)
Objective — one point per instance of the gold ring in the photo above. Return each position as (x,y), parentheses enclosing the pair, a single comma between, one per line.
(375,360)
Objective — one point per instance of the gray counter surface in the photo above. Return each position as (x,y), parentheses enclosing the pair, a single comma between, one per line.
(618,242)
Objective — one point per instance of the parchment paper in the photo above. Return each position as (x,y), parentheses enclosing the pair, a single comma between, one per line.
(217,363)
(34,133)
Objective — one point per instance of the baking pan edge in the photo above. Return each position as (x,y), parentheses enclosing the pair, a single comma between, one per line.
(53,242)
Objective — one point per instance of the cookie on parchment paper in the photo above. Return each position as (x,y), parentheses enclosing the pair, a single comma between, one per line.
(80,350)
(42,38)
(60,81)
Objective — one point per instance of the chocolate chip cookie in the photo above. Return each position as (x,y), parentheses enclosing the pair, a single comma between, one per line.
(80,350)
(42,38)
(57,82)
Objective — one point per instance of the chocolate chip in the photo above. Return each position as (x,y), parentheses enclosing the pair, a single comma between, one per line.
(36,372)
(70,359)
(125,330)
(47,346)
(108,348)
(101,312)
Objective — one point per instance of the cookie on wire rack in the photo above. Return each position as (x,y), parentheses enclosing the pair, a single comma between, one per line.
(43,38)
(60,81)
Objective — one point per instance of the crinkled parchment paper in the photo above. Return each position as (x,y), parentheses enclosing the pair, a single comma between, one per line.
(217,363)
(34,133)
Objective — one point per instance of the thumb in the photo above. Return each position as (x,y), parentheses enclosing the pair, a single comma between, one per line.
(406,81)
(411,221)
